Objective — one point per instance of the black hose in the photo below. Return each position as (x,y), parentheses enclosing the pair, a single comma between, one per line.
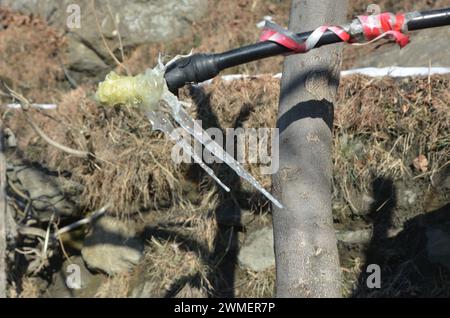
(430,19)
(200,67)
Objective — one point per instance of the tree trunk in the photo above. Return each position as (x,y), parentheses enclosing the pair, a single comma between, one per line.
(3,208)
(305,242)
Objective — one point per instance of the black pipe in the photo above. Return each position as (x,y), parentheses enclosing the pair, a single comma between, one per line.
(429,19)
(200,67)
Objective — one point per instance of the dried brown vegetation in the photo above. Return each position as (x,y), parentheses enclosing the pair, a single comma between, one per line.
(30,55)
(131,165)
(381,127)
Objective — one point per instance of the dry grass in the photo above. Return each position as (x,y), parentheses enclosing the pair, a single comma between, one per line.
(256,284)
(243,104)
(30,289)
(31,53)
(383,125)
(169,267)
(114,287)
(132,168)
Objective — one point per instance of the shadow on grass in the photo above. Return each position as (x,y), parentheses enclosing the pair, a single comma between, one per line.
(404,260)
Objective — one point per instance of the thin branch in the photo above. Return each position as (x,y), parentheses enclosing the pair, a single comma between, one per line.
(34,231)
(47,237)
(61,244)
(73,152)
(84,221)
(116,27)
(25,107)
(110,52)
(31,231)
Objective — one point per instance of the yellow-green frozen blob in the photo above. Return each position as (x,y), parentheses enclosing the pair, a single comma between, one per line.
(143,90)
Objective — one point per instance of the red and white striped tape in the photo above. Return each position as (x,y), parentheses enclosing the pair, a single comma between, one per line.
(374,27)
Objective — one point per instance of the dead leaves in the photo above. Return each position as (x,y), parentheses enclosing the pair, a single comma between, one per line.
(421,163)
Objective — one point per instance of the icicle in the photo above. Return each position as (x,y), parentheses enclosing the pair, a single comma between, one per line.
(160,121)
(188,124)
(147,91)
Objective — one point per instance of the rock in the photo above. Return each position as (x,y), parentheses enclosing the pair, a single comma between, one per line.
(409,197)
(83,59)
(438,246)
(437,195)
(112,246)
(257,253)
(354,237)
(65,283)
(151,21)
(441,179)
(48,192)
(10,138)
(426,46)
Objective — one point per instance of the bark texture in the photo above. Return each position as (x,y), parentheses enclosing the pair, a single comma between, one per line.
(305,243)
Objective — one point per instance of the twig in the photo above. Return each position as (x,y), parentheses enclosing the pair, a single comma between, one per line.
(47,237)
(34,231)
(25,107)
(31,231)
(116,27)
(347,197)
(51,142)
(110,52)
(61,244)
(17,191)
(84,221)
(70,79)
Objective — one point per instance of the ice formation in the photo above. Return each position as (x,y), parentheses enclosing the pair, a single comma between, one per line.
(147,92)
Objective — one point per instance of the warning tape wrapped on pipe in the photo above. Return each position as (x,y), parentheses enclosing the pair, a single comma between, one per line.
(372,28)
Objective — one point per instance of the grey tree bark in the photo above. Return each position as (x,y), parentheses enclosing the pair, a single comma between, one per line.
(306,253)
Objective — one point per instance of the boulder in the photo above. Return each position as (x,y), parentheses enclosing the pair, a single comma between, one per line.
(354,237)
(257,253)
(82,58)
(138,21)
(112,246)
(74,281)
(48,192)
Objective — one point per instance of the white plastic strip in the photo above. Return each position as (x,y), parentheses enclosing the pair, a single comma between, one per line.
(392,71)
(38,106)
(395,71)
